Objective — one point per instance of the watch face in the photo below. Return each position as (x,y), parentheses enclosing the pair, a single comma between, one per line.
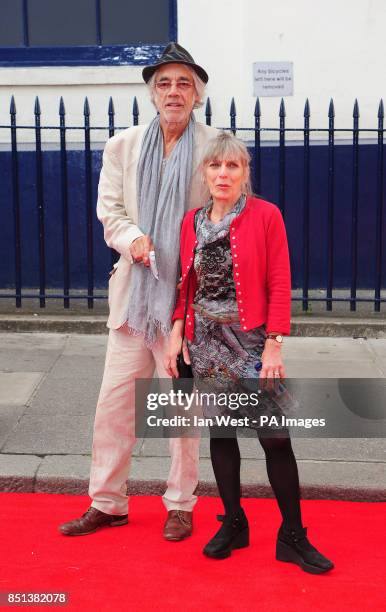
(278,337)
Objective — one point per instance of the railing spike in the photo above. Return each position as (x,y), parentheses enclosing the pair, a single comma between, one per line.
(62,110)
(356,109)
(282,108)
(111,110)
(86,108)
(257,108)
(135,111)
(208,112)
(233,108)
(331,109)
(37,106)
(307,109)
(380,110)
(12,108)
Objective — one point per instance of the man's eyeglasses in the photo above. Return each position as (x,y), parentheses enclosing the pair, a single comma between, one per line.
(165,86)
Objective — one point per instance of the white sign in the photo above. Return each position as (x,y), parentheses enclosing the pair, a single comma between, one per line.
(273,79)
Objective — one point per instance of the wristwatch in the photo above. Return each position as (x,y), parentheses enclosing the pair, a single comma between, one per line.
(278,337)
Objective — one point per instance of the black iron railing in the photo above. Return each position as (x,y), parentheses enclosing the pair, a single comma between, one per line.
(257,145)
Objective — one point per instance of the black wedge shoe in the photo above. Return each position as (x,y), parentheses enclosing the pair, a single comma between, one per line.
(293,546)
(234,533)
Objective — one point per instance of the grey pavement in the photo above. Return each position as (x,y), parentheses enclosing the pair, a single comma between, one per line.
(49,383)
(76,321)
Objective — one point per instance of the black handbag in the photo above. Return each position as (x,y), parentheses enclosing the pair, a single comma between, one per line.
(185,380)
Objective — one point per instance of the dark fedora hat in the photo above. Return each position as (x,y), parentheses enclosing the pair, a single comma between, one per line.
(174,54)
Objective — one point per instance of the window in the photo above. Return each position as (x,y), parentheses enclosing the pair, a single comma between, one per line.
(85,32)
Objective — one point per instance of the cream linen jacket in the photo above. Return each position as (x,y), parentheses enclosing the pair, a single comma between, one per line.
(117,206)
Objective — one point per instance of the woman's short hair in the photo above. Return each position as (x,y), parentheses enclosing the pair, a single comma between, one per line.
(199,86)
(227,146)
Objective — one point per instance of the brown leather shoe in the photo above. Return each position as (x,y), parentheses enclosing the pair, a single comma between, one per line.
(179,525)
(91,521)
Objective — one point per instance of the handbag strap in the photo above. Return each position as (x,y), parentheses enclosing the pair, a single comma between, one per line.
(189,275)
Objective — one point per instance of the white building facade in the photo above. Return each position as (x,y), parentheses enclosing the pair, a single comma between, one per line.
(337,50)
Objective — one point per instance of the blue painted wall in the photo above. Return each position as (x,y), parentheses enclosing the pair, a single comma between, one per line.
(270,189)
(318,211)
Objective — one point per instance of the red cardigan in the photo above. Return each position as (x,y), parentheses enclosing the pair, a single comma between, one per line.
(261,269)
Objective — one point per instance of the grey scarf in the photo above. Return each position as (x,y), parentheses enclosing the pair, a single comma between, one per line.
(161,207)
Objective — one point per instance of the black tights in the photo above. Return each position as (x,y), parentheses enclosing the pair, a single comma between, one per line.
(281,468)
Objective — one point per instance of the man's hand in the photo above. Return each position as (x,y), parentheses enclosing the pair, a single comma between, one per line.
(140,248)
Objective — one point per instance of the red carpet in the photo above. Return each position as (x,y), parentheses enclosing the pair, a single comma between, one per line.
(133,568)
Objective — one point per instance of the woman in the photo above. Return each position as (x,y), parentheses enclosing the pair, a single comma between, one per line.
(235,268)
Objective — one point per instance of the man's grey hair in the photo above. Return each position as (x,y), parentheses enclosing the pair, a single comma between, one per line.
(199,86)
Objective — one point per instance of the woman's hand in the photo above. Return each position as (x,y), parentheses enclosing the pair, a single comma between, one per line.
(175,344)
(272,363)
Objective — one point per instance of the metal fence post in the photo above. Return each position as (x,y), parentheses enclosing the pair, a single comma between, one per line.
(89,207)
(354,210)
(282,158)
(16,202)
(306,205)
(257,114)
(40,205)
(330,204)
(379,212)
(64,194)
(111,113)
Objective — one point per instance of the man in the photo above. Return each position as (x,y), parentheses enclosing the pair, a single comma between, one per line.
(146,185)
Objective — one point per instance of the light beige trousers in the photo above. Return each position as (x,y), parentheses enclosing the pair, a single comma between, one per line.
(127,358)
